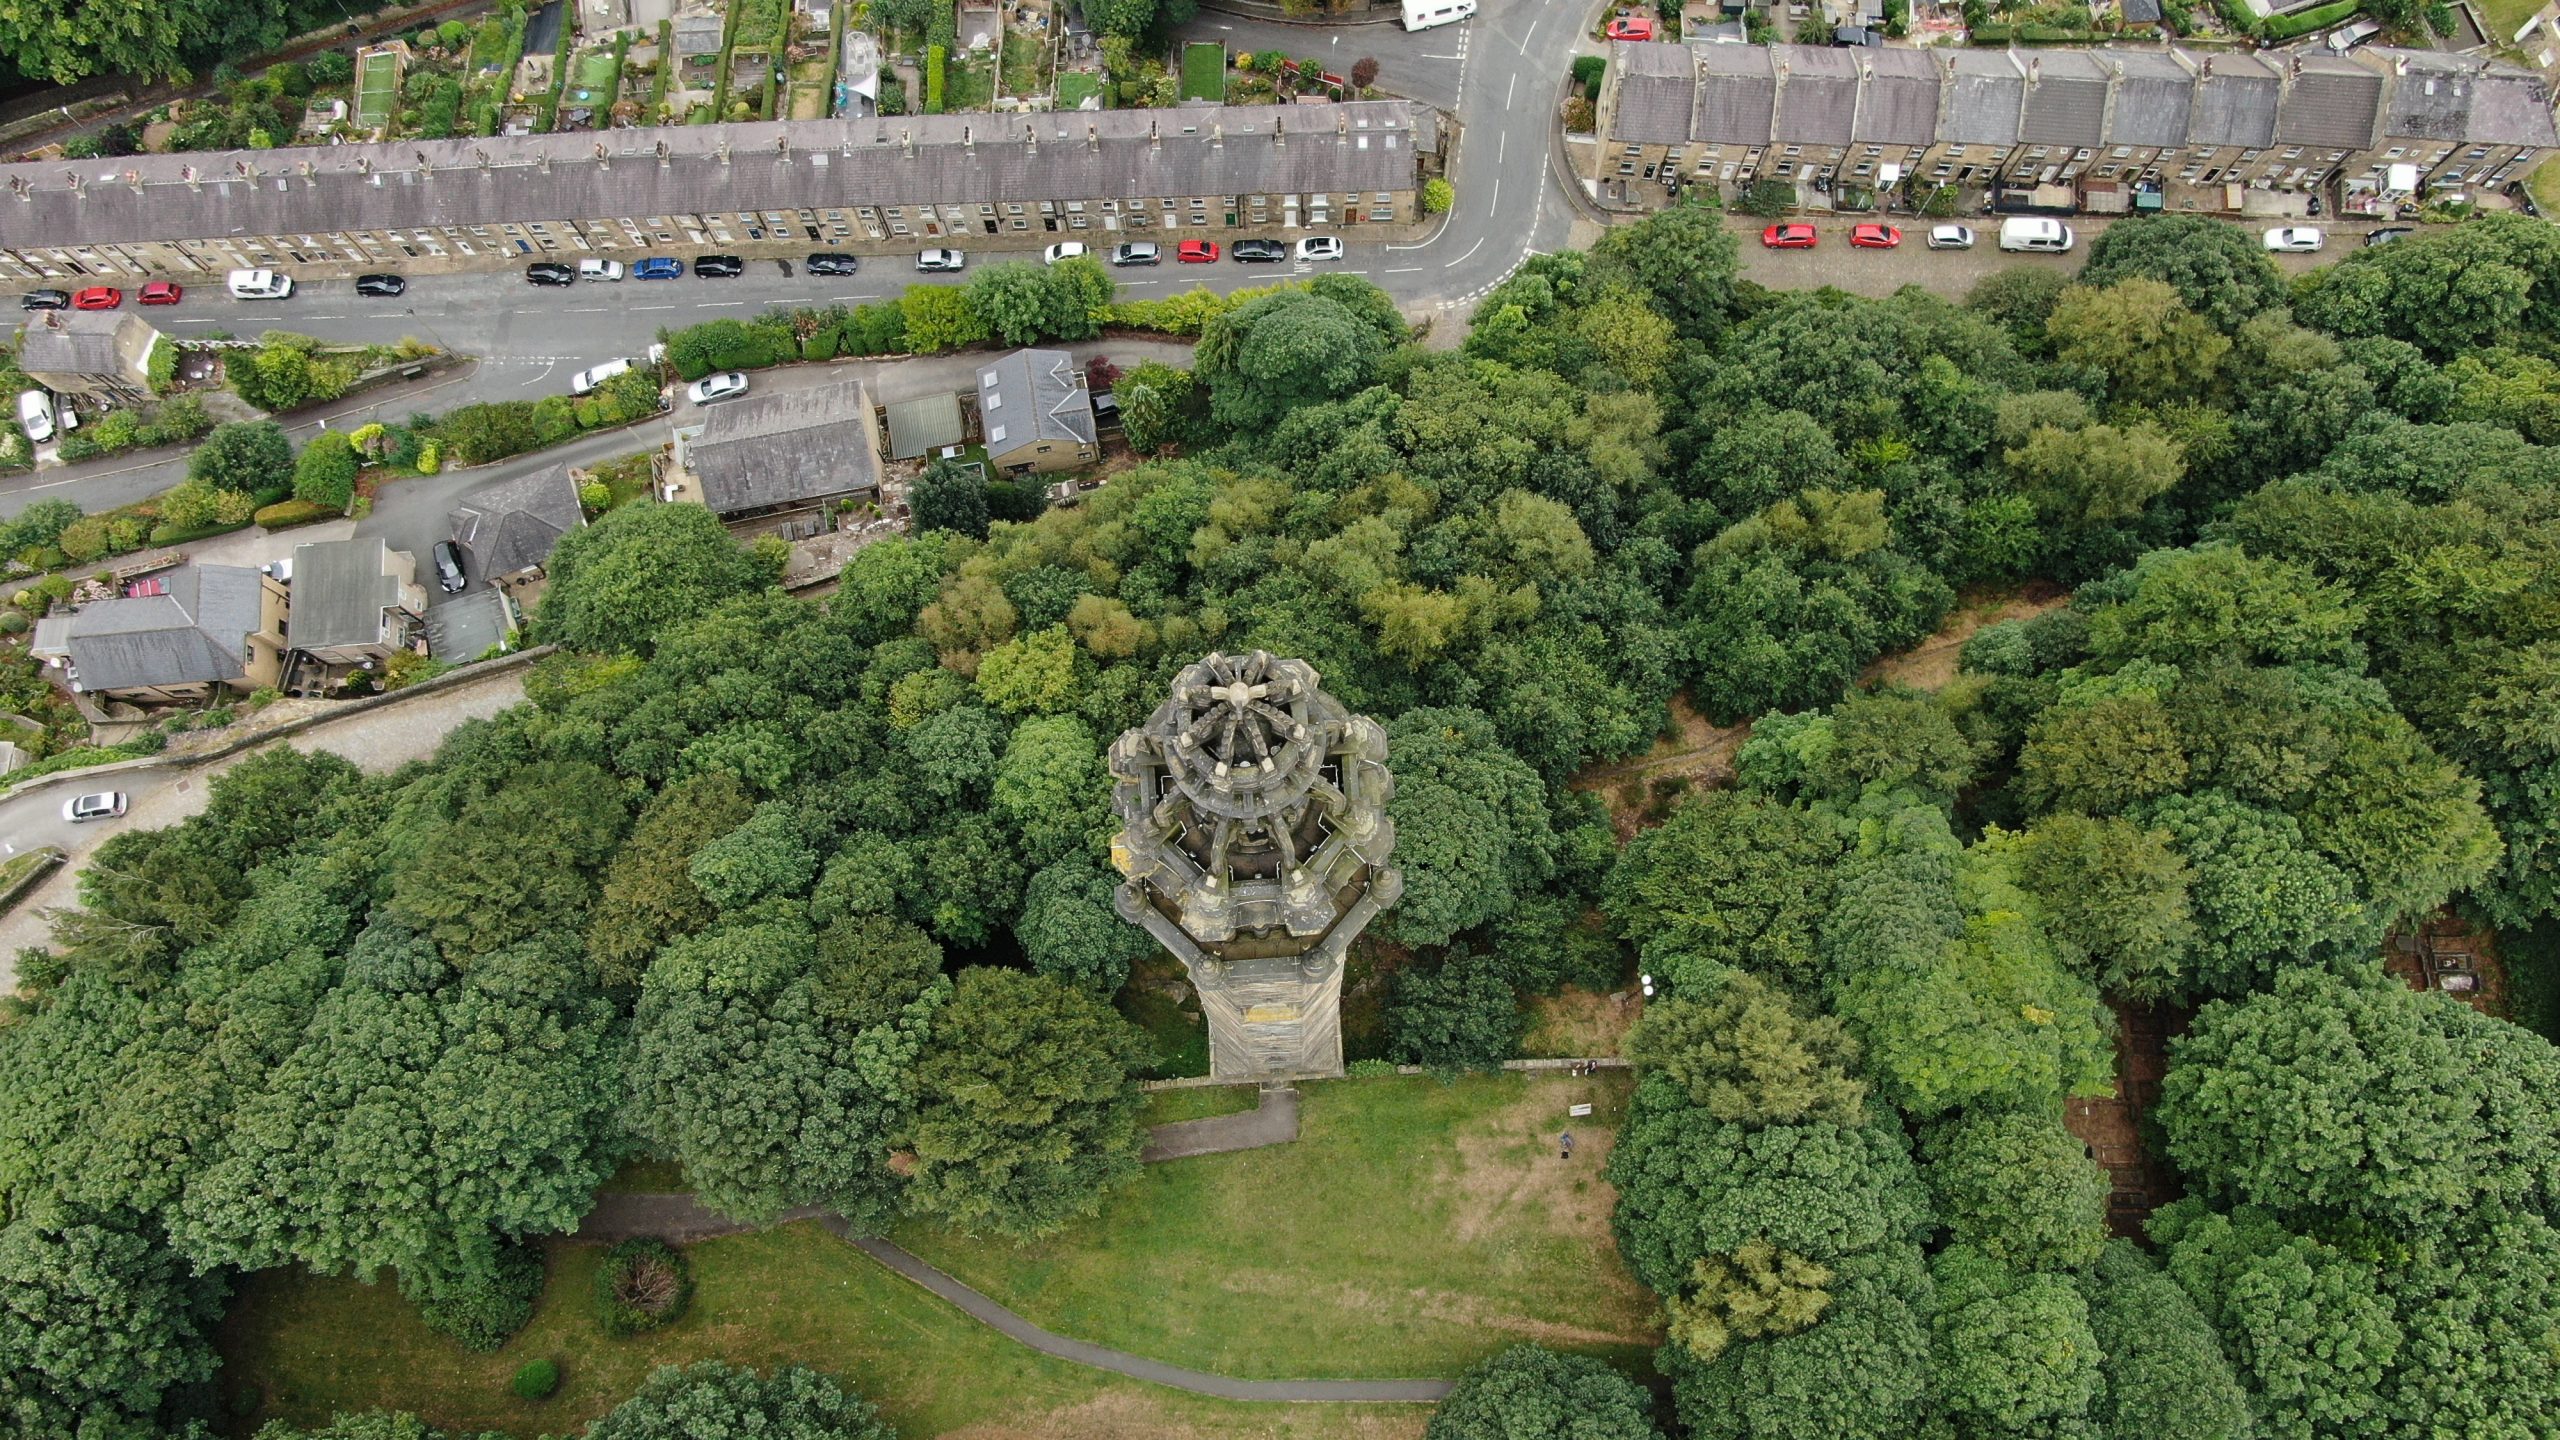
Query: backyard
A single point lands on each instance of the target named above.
(1077, 86)
(1204, 71)
(377, 89)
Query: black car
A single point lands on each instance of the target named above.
(2387, 235)
(448, 558)
(381, 285)
(720, 267)
(46, 300)
(832, 264)
(548, 273)
(1258, 252)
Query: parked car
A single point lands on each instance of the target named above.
(585, 381)
(1631, 27)
(727, 385)
(1320, 247)
(448, 559)
(381, 286)
(2295, 239)
(718, 267)
(1063, 250)
(2389, 233)
(35, 415)
(2460, 983)
(98, 297)
(2036, 235)
(592, 269)
(941, 259)
(1258, 252)
(258, 285)
(1875, 237)
(45, 300)
(1788, 237)
(547, 273)
(104, 805)
(1196, 252)
(1856, 35)
(831, 263)
(1950, 237)
(658, 267)
(1136, 252)
(163, 292)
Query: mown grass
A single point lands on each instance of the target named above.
(1198, 1102)
(1204, 71)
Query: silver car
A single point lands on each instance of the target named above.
(727, 385)
(105, 805)
(1950, 237)
(938, 259)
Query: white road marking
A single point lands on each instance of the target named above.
(1444, 57)
(1532, 35)
(586, 310)
(652, 307)
(1408, 270)
(536, 380)
(1461, 260)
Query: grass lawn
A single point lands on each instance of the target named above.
(1076, 86)
(1204, 71)
(646, 1177)
(1025, 61)
(2503, 18)
(1415, 1228)
(1199, 1102)
(969, 84)
(374, 93)
(627, 476)
(2544, 182)
(312, 1347)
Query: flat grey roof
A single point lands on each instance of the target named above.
(340, 592)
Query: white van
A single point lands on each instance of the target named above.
(2035, 233)
(586, 381)
(259, 285)
(599, 269)
(35, 415)
(1423, 14)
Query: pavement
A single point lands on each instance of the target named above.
(1273, 1121)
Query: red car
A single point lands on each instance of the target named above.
(163, 292)
(1196, 252)
(98, 297)
(1875, 237)
(1788, 237)
(1631, 27)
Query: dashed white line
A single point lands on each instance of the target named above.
(1510, 90)
(652, 307)
(586, 310)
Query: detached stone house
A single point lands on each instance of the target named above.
(179, 636)
(1036, 414)
(508, 527)
(779, 451)
(355, 601)
(99, 353)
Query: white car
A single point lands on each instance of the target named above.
(35, 415)
(586, 381)
(1950, 237)
(258, 285)
(1063, 250)
(2295, 239)
(105, 805)
(939, 259)
(1320, 247)
(599, 269)
(727, 385)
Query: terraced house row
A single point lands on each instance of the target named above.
(772, 188)
(1732, 114)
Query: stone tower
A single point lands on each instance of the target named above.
(1254, 843)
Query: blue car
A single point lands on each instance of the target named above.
(658, 267)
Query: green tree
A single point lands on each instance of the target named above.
(243, 455)
(1684, 260)
(325, 472)
(1744, 1053)
(649, 897)
(1472, 830)
(886, 584)
(2114, 898)
(2305, 1326)
(949, 497)
(1758, 1292)
(2141, 336)
(1024, 304)
(1050, 786)
(710, 1398)
(941, 317)
(1460, 1016)
(1032, 674)
(100, 1322)
(1863, 1373)
(765, 857)
(1025, 1112)
(2102, 755)
(2018, 1187)
(1280, 352)
(617, 584)
(1069, 930)
(513, 862)
(2096, 474)
(2015, 1355)
(1730, 880)
(2219, 270)
(2219, 602)
(1529, 1392)
(2163, 1371)
(2262, 896)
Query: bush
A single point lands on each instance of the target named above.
(1767, 198)
(325, 472)
(287, 513)
(162, 366)
(1587, 70)
(330, 67)
(476, 1305)
(430, 458)
(536, 1379)
(1437, 196)
(643, 1284)
(493, 430)
(594, 496)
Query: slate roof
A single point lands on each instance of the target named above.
(1656, 85)
(2235, 102)
(1990, 95)
(1033, 395)
(2140, 12)
(2066, 100)
(2153, 96)
(1901, 103)
(2432, 100)
(781, 446)
(71, 342)
(709, 169)
(2332, 102)
(1817, 96)
(1737, 95)
(195, 632)
(925, 424)
(2512, 107)
(511, 525)
(340, 592)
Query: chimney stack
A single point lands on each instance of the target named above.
(425, 165)
(310, 174)
(782, 146)
(134, 179)
(1217, 136)
(185, 172)
(664, 155)
(1092, 136)
(1279, 132)
(604, 156)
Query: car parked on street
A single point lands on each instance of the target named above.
(658, 267)
(1258, 252)
(1631, 27)
(104, 805)
(1136, 252)
(45, 300)
(1063, 250)
(2295, 239)
(448, 562)
(258, 285)
(727, 385)
(98, 297)
(2389, 234)
(1320, 247)
(1196, 252)
(718, 267)
(1788, 237)
(381, 287)
(586, 381)
(547, 273)
(1950, 237)
(163, 292)
(941, 259)
(592, 269)
(832, 263)
(1875, 237)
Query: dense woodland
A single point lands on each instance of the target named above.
(813, 898)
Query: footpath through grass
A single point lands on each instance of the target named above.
(1415, 1228)
(311, 1347)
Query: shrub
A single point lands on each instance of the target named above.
(325, 472)
(554, 419)
(13, 622)
(162, 366)
(1437, 196)
(331, 67)
(1587, 70)
(536, 1379)
(642, 1285)
(287, 513)
(492, 430)
(430, 458)
(1767, 197)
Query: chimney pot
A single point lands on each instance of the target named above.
(604, 157)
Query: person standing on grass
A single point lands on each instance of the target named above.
(1565, 1144)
